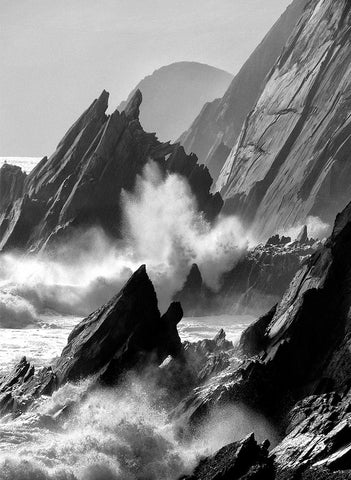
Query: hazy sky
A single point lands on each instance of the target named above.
(57, 55)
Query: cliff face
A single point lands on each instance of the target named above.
(217, 127)
(174, 94)
(81, 183)
(291, 160)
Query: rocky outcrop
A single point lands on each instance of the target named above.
(80, 185)
(240, 460)
(174, 94)
(12, 180)
(126, 334)
(300, 374)
(256, 282)
(216, 129)
(291, 160)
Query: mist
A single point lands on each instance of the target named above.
(115, 433)
(162, 229)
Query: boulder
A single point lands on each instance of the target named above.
(239, 460)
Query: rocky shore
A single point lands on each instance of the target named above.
(292, 366)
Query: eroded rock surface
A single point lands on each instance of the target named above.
(80, 185)
(291, 159)
(125, 334)
(215, 131)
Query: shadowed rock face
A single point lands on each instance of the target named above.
(12, 180)
(245, 459)
(291, 160)
(81, 183)
(256, 282)
(300, 376)
(217, 127)
(125, 334)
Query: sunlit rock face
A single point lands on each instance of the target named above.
(217, 127)
(291, 160)
(80, 185)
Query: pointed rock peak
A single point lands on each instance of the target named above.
(220, 336)
(303, 235)
(101, 103)
(140, 276)
(132, 109)
(174, 313)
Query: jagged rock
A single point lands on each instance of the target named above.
(277, 240)
(303, 347)
(80, 185)
(126, 334)
(303, 236)
(114, 338)
(291, 159)
(196, 298)
(216, 129)
(253, 340)
(255, 283)
(240, 460)
(199, 180)
(12, 180)
(259, 279)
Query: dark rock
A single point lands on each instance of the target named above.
(126, 334)
(216, 129)
(80, 185)
(260, 278)
(11, 184)
(253, 340)
(196, 298)
(303, 236)
(239, 460)
(199, 180)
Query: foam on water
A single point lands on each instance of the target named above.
(42, 342)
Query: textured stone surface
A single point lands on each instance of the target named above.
(217, 127)
(126, 334)
(291, 160)
(80, 185)
(240, 460)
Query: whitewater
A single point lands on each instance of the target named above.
(127, 432)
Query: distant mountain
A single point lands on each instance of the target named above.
(292, 160)
(174, 94)
(217, 127)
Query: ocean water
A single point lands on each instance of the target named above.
(26, 163)
(124, 433)
(43, 342)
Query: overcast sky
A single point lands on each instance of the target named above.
(57, 55)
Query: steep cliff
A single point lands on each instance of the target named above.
(217, 127)
(174, 94)
(81, 183)
(291, 160)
